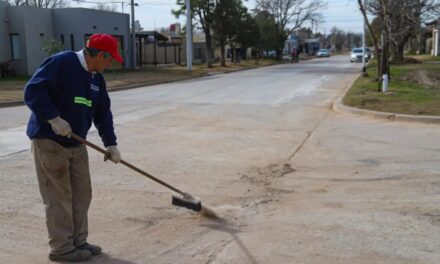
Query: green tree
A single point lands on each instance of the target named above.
(203, 12)
(248, 33)
(233, 25)
(270, 37)
(52, 46)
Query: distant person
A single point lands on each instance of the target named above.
(67, 93)
(298, 54)
(294, 54)
(238, 55)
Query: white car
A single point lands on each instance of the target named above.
(323, 53)
(356, 55)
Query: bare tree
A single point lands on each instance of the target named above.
(403, 20)
(290, 15)
(381, 10)
(400, 20)
(39, 3)
(105, 7)
(363, 8)
(408, 23)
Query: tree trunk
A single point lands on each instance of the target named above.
(384, 60)
(222, 52)
(398, 56)
(399, 49)
(209, 48)
(279, 54)
(378, 59)
(243, 51)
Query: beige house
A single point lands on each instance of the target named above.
(435, 25)
(155, 48)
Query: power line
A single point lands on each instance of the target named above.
(125, 2)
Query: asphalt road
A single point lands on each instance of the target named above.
(294, 181)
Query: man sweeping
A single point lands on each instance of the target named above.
(67, 93)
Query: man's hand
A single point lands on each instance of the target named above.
(113, 154)
(60, 126)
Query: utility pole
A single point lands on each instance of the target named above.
(133, 35)
(188, 36)
(364, 68)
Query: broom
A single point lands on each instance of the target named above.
(186, 200)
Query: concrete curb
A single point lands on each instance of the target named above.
(139, 85)
(339, 106)
(11, 103)
(115, 89)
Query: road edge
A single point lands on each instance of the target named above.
(140, 85)
(339, 106)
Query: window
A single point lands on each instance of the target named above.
(72, 42)
(197, 53)
(15, 47)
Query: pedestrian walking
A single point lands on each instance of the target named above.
(66, 94)
(294, 55)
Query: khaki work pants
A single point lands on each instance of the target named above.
(64, 181)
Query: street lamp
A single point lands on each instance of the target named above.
(133, 30)
(188, 36)
(133, 35)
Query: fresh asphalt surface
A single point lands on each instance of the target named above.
(294, 181)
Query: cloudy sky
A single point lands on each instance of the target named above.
(152, 14)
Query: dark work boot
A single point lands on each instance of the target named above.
(93, 249)
(76, 255)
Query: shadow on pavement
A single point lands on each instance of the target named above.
(221, 226)
(107, 259)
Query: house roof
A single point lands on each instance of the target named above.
(433, 23)
(152, 34)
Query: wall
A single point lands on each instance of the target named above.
(436, 42)
(5, 50)
(16, 25)
(34, 28)
(81, 22)
(38, 30)
(148, 54)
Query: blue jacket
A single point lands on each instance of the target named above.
(62, 87)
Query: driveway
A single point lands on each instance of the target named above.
(293, 181)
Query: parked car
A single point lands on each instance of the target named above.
(286, 58)
(368, 52)
(323, 53)
(270, 53)
(356, 55)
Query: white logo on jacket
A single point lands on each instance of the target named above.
(94, 87)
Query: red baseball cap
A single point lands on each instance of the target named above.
(107, 43)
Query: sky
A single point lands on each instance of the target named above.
(154, 14)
